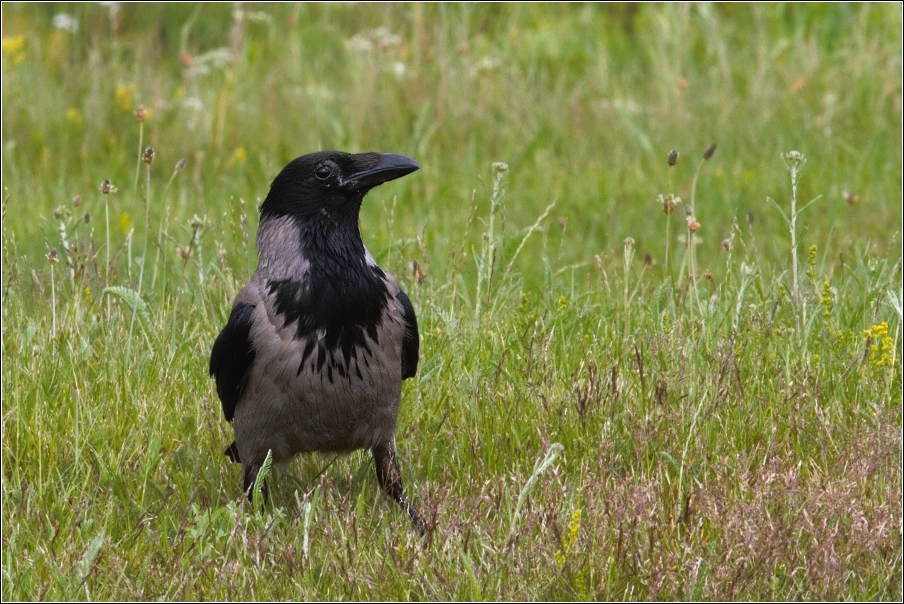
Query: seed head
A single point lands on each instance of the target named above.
(851, 198)
(688, 209)
(180, 165)
(726, 243)
(419, 273)
(668, 203)
(811, 255)
(52, 256)
(141, 113)
(709, 152)
(107, 187)
(62, 213)
(794, 159)
(672, 157)
(148, 156)
(77, 201)
(500, 167)
(87, 218)
(692, 224)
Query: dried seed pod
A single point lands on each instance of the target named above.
(672, 157)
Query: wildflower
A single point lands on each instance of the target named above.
(419, 274)
(180, 165)
(500, 167)
(851, 198)
(881, 345)
(141, 113)
(14, 48)
(668, 203)
(811, 262)
(65, 22)
(794, 160)
(710, 151)
(570, 537)
(125, 97)
(107, 187)
(125, 222)
(238, 156)
(692, 224)
(726, 243)
(77, 201)
(75, 116)
(52, 256)
(827, 300)
(13, 44)
(672, 157)
(148, 156)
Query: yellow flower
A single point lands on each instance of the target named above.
(14, 48)
(125, 97)
(881, 351)
(570, 537)
(75, 116)
(238, 156)
(828, 299)
(125, 222)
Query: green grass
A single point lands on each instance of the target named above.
(586, 423)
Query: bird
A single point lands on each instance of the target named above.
(317, 344)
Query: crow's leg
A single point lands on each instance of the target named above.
(390, 478)
(249, 476)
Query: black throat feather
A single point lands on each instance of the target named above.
(339, 302)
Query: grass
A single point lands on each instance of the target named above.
(586, 423)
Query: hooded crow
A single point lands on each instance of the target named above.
(318, 343)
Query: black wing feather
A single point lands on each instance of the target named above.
(232, 356)
(411, 343)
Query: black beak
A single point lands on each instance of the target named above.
(390, 167)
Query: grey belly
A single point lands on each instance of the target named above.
(319, 408)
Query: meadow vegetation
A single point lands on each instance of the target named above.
(590, 420)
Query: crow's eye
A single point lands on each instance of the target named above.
(323, 172)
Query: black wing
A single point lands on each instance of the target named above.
(232, 356)
(411, 343)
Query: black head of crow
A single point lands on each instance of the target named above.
(318, 343)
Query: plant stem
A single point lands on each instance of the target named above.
(140, 147)
(795, 291)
